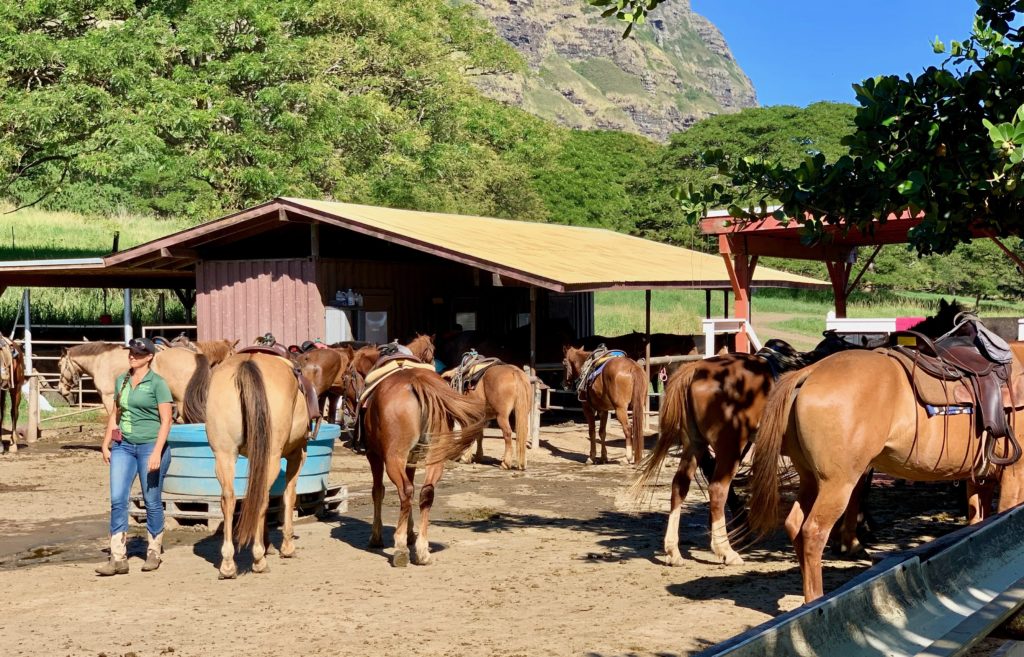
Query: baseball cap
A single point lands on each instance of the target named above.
(142, 344)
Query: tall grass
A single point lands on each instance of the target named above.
(31, 234)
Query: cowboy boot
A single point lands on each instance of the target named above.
(118, 563)
(156, 547)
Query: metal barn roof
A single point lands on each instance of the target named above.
(553, 256)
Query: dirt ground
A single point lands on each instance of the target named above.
(553, 561)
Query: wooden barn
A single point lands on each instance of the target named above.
(278, 267)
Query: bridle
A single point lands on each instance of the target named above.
(70, 375)
(352, 381)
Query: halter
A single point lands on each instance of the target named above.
(75, 375)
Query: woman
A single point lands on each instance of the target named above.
(135, 444)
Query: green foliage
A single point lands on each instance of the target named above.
(193, 108)
(946, 144)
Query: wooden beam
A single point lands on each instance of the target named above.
(179, 252)
(850, 288)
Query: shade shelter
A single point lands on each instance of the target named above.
(741, 243)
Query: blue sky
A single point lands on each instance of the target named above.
(798, 52)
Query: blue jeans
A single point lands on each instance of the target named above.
(126, 461)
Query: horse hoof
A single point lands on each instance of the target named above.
(261, 567)
(505, 466)
(589, 461)
(424, 560)
(375, 544)
(231, 574)
(674, 560)
(732, 559)
(400, 559)
(271, 549)
(287, 554)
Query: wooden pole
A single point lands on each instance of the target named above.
(707, 304)
(647, 349)
(533, 330)
(32, 431)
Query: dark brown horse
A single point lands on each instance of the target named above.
(619, 387)
(10, 386)
(716, 405)
(505, 390)
(402, 415)
(325, 368)
(853, 411)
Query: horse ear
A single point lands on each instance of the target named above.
(235, 343)
(943, 305)
(565, 349)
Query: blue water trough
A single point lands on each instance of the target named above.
(192, 469)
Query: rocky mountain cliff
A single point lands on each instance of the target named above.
(673, 71)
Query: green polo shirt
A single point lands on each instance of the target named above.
(140, 413)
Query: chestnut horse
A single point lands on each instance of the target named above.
(255, 407)
(11, 387)
(715, 405)
(832, 422)
(403, 414)
(325, 368)
(620, 385)
(105, 361)
(505, 389)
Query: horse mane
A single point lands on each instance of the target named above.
(93, 348)
(215, 350)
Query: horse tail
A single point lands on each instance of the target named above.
(196, 391)
(675, 427)
(639, 407)
(764, 483)
(522, 407)
(439, 402)
(256, 436)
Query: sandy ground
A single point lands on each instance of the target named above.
(553, 561)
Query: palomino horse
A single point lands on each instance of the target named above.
(619, 386)
(849, 412)
(505, 389)
(10, 386)
(216, 351)
(261, 413)
(401, 416)
(716, 404)
(325, 368)
(105, 361)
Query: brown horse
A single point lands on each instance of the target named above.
(105, 361)
(403, 414)
(505, 389)
(830, 420)
(10, 386)
(620, 386)
(261, 413)
(325, 368)
(716, 405)
(422, 347)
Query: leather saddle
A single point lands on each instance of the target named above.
(305, 385)
(969, 367)
(470, 370)
(386, 366)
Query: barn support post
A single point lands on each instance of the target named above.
(740, 267)
(32, 430)
(707, 303)
(535, 420)
(647, 349)
(26, 301)
(127, 315)
(839, 275)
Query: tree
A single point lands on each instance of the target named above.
(195, 107)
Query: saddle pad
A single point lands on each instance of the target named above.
(391, 366)
(471, 375)
(936, 392)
